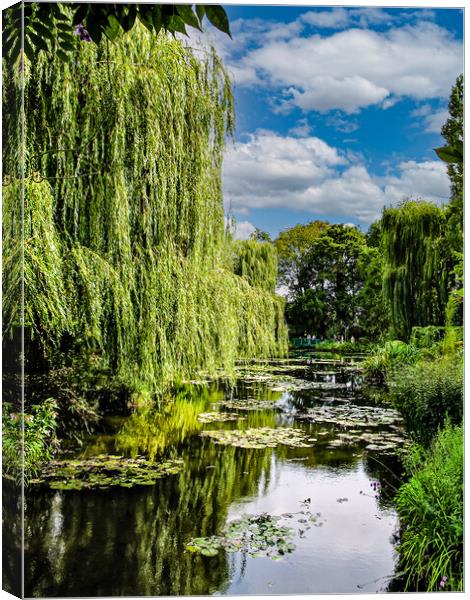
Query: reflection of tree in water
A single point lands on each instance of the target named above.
(11, 530)
(128, 542)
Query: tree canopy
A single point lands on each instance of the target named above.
(54, 27)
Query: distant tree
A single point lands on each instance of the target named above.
(334, 279)
(292, 245)
(452, 132)
(260, 236)
(417, 263)
(330, 267)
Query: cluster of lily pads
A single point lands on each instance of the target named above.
(258, 535)
(261, 437)
(248, 404)
(361, 425)
(261, 535)
(218, 417)
(105, 471)
(353, 415)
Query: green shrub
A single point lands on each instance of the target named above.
(388, 357)
(430, 506)
(38, 443)
(424, 337)
(427, 393)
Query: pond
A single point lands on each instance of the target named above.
(319, 490)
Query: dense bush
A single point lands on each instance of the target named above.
(26, 452)
(430, 506)
(386, 358)
(427, 393)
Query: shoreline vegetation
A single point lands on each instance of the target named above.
(134, 283)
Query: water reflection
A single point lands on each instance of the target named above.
(132, 541)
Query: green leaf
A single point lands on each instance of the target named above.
(67, 46)
(66, 27)
(15, 50)
(80, 14)
(37, 41)
(65, 56)
(218, 17)
(145, 17)
(449, 154)
(186, 13)
(200, 11)
(174, 23)
(29, 49)
(209, 552)
(113, 28)
(156, 18)
(95, 31)
(127, 21)
(8, 44)
(41, 29)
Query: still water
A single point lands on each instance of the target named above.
(111, 542)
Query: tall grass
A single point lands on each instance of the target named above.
(428, 393)
(430, 506)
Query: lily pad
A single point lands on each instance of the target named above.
(105, 471)
(249, 404)
(258, 535)
(218, 417)
(262, 437)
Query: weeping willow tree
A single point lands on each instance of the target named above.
(416, 270)
(257, 263)
(127, 262)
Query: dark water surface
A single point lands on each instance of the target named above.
(132, 542)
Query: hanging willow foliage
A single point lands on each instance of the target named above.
(125, 247)
(257, 263)
(416, 272)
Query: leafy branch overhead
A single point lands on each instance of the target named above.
(451, 154)
(54, 27)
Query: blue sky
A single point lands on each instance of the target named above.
(338, 110)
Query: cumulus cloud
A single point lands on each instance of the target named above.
(355, 68)
(242, 230)
(335, 18)
(338, 18)
(432, 119)
(301, 129)
(306, 174)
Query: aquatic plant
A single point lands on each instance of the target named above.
(258, 535)
(260, 437)
(218, 417)
(430, 506)
(105, 471)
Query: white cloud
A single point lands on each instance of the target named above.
(427, 180)
(348, 94)
(306, 174)
(435, 121)
(302, 129)
(431, 120)
(332, 19)
(243, 230)
(342, 125)
(338, 18)
(355, 68)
